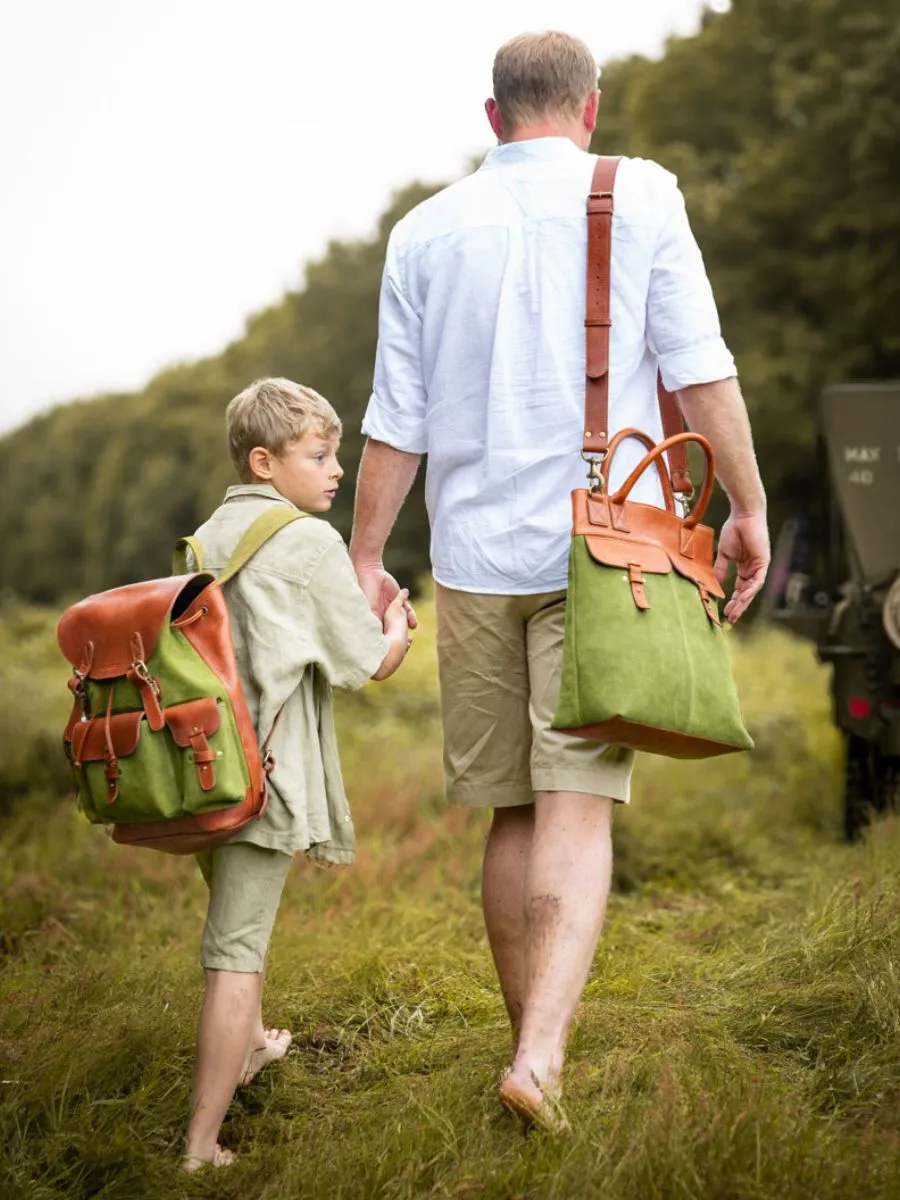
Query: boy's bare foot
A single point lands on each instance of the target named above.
(220, 1158)
(276, 1046)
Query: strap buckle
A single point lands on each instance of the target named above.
(596, 478)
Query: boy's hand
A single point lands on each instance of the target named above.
(396, 617)
(397, 633)
(381, 589)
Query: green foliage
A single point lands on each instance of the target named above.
(738, 1037)
(781, 120)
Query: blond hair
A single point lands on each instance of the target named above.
(540, 75)
(272, 413)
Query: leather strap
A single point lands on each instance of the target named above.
(597, 325)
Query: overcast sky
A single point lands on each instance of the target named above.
(168, 166)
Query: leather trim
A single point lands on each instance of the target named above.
(210, 635)
(621, 732)
(110, 623)
(652, 541)
(189, 835)
(184, 720)
(619, 552)
(89, 741)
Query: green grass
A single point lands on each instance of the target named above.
(739, 1037)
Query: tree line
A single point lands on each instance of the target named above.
(781, 119)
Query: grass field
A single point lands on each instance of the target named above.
(738, 1038)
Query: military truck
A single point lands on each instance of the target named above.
(836, 579)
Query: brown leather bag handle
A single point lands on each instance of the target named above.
(622, 436)
(709, 478)
(597, 325)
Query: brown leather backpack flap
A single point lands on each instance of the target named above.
(649, 537)
(102, 635)
(186, 721)
(102, 738)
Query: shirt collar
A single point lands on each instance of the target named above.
(544, 149)
(239, 490)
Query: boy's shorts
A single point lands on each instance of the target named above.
(245, 884)
(500, 663)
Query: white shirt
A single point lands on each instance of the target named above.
(480, 360)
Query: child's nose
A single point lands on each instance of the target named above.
(338, 470)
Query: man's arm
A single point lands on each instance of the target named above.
(717, 412)
(385, 477)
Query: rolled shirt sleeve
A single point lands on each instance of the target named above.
(396, 410)
(682, 321)
(348, 642)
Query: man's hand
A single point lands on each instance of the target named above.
(744, 541)
(380, 589)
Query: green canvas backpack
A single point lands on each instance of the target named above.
(160, 738)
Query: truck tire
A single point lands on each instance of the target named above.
(871, 784)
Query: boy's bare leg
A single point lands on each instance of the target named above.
(568, 879)
(266, 1045)
(504, 872)
(227, 1026)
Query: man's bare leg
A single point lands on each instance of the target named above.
(503, 880)
(569, 873)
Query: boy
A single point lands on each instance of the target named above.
(301, 626)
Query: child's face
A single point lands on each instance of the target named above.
(306, 472)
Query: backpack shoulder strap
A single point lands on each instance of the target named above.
(179, 555)
(265, 526)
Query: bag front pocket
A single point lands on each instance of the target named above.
(127, 772)
(215, 772)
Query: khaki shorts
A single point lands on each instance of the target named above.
(245, 884)
(500, 662)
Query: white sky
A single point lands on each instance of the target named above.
(169, 165)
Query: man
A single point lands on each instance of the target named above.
(481, 365)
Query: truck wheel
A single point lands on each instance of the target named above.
(859, 785)
(871, 784)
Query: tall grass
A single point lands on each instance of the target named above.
(738, 1037)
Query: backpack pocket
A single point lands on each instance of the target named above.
(128, 772)
(215, 772)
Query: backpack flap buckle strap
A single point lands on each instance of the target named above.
(204, 758)
(150, 692)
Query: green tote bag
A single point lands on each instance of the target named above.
(645, 658)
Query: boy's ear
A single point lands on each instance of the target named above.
(259, 460)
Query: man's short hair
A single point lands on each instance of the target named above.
(272, 413)
(539, 75)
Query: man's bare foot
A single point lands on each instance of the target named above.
(220, 1158)
(276, 1046)
(536, 1104)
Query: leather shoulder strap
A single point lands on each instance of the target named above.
(265, 526)
(597, 325)
(596, 317)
